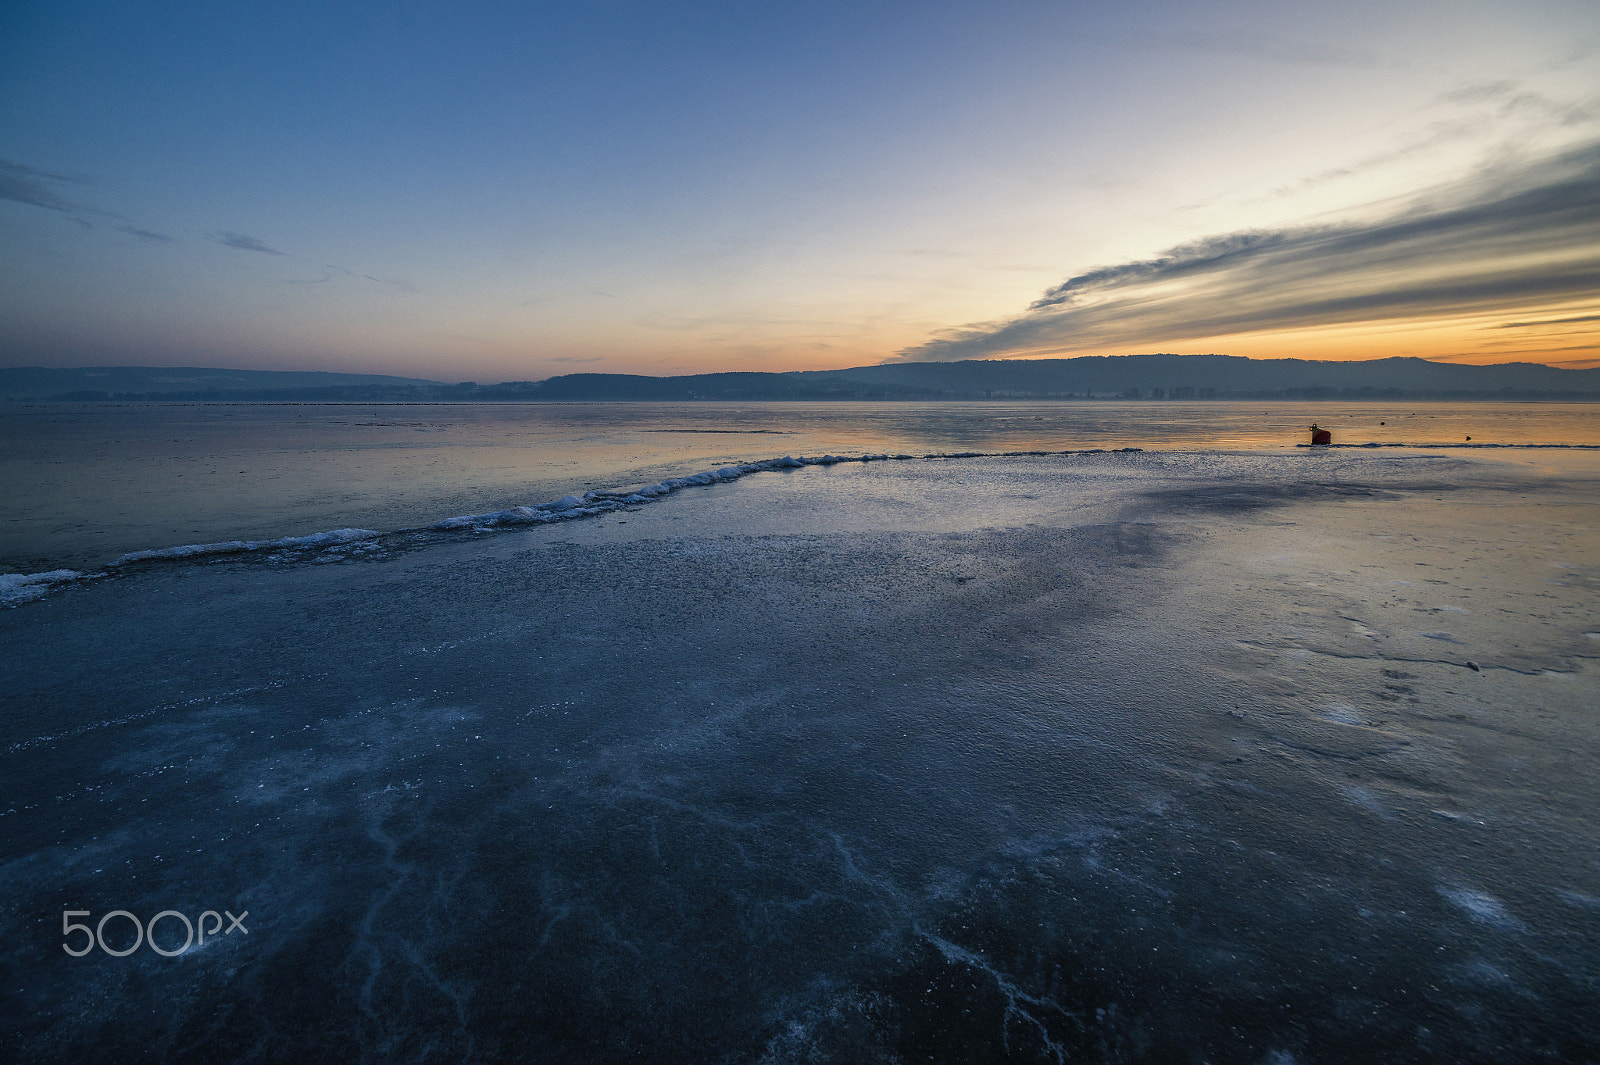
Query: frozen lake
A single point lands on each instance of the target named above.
(86, 483)
(1243, 756)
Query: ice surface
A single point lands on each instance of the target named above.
(1089, 757)
(601, 501)
(19, 588)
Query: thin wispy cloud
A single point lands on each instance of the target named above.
(1510, 97)
(326, 272)
(34, 187)
(244, 242)
(1476, 110)
(1522, 240)
(31, 186)
(1551, 321)
(1479, 91)
(387, 282)
(390, 282)
(145, 234)
(1439, 133)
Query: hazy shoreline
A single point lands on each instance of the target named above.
(1085, 378)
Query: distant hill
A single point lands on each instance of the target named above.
(1100, 377)
(190, 382)
(1227, 376)
(1096, 377)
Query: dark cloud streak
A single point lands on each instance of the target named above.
(145, 234)
(1550, 321)
(30, 185)
(244, 243)
(27, 185)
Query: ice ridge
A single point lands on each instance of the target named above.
(18, 588)
(233, 547)
(601, 501)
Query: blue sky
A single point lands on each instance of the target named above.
(497, 191)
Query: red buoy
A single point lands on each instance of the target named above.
(1320, 436)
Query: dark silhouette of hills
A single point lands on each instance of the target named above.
(1098, 377)
(1230, 377)
(196, 383)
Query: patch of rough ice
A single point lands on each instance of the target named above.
(1342, 714)
(1482, 907)
(1484, 974)
(1366, 800)
(17, 588)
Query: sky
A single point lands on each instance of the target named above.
(486, 191)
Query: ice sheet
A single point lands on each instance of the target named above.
(1129, 757)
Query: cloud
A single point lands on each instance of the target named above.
(1437, 134)
(327, 272)
(145, 234)
(1512, 240)
(1480, 91)
(244, 243)
(25, 184)
(398, 285)
(30, 185)
(1550, 321)
(1511, 98)
(1510, 101)
(394, 283)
